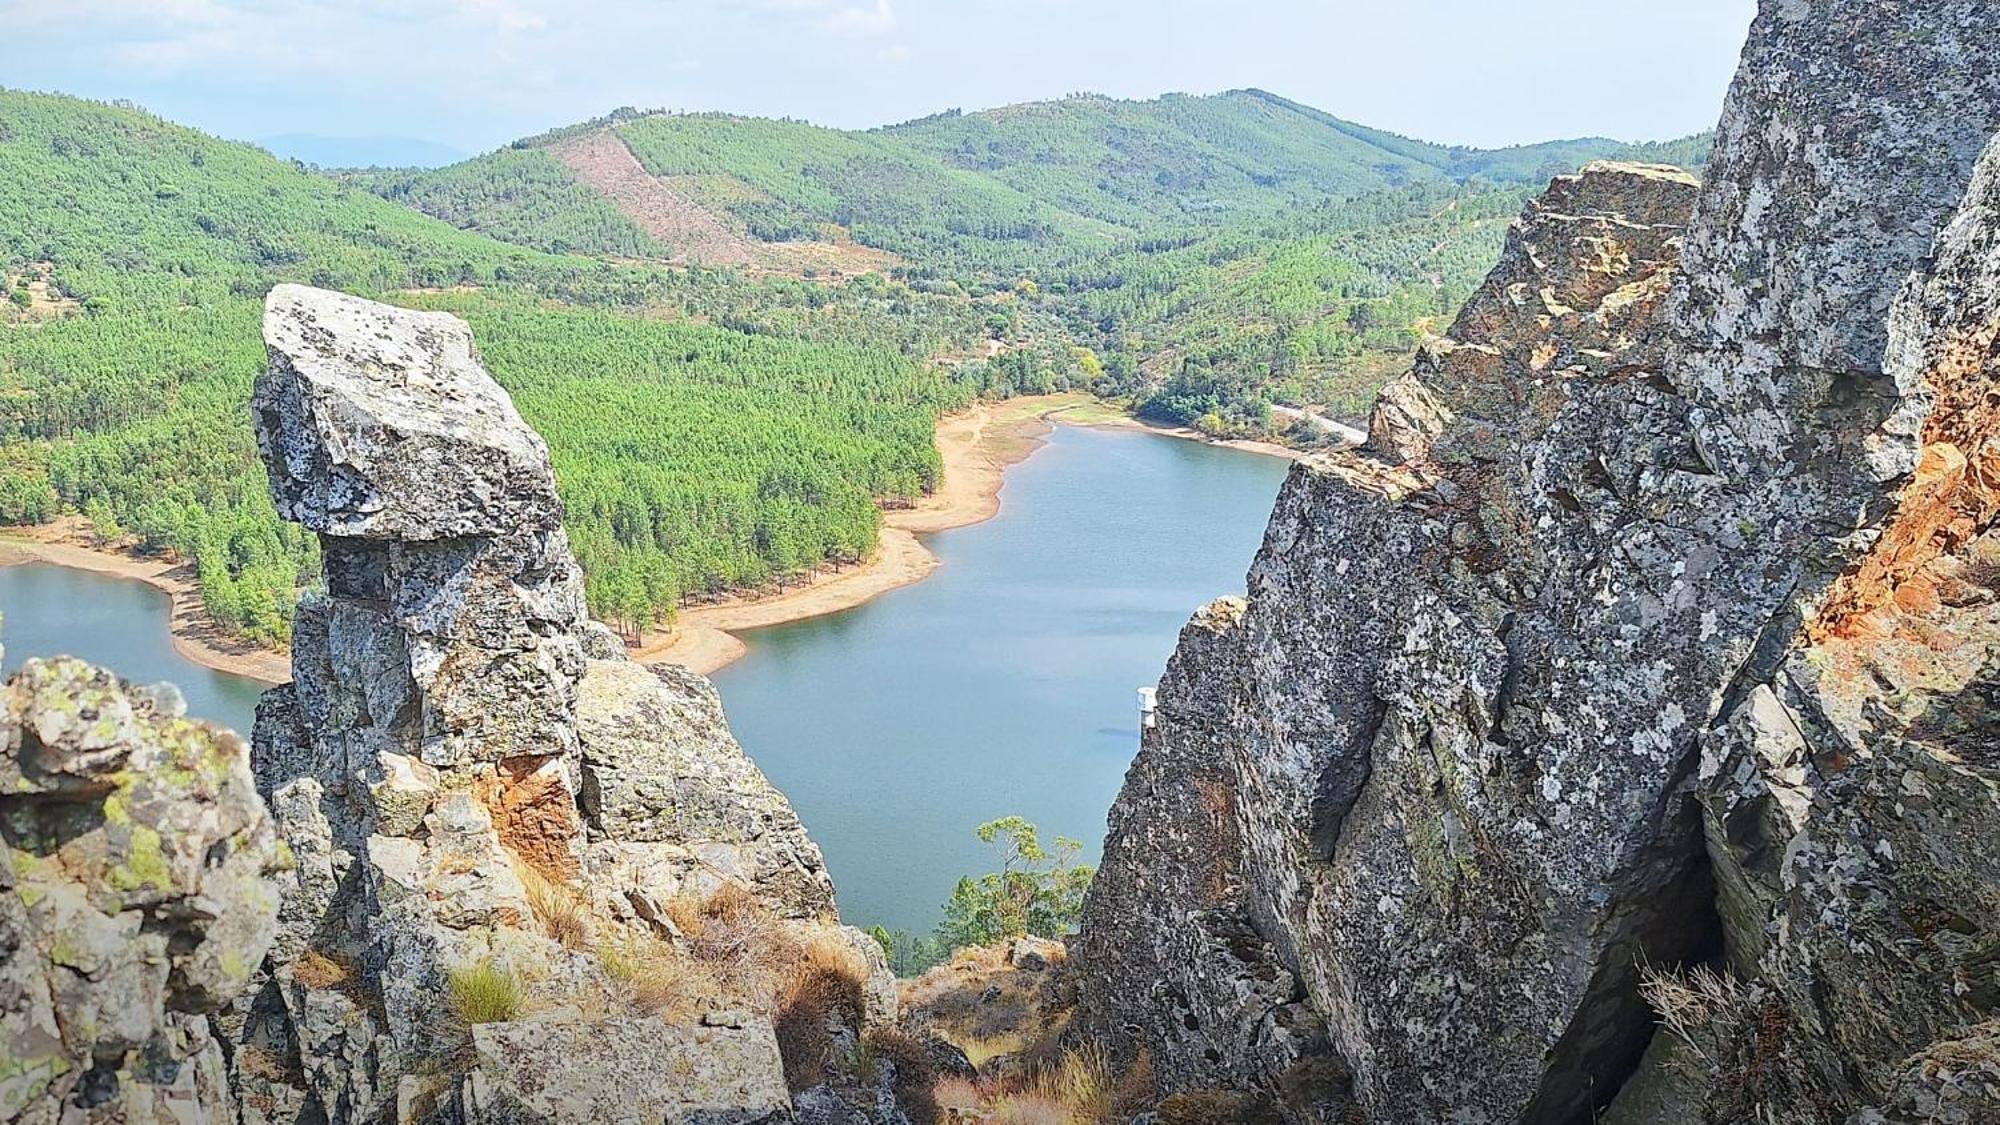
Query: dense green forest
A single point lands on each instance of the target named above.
(1217, 255)
(964, 196)
(1199, 258)
(1314, 307)
(524, 196)
(787, 406)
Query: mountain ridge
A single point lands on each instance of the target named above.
(992, 190)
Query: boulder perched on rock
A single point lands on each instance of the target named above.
(499, 819)
(136, 897)
(1653, 630)
(380, 423)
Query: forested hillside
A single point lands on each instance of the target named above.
(1006, 191)
(1217, 255)
(1199, 258)
(1314, 307)
(143, 251)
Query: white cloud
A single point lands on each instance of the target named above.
(860, 22)
(170, 36)
(844, 18)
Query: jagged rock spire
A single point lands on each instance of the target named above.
(461, 742)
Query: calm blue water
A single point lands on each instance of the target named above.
(1004, 683)
(118, 623)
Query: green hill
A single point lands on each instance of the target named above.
(140, 251)
(1203, 258)
(1003, 191)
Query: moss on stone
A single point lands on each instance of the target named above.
(145, 863)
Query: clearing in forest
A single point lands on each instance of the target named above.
(693, 233)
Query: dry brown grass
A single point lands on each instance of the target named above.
(325, 972)
(261, 1063)
(730, 903)
(1030, 1109)
(1074, 1086)
(659, 979)
(1081, 1079)
(959, 1097)
(1689, 1003)
(559, 910)
(755, 955)
(826, 987)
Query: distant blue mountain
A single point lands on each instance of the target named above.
(362, 152)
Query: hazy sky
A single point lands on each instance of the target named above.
(474, 74)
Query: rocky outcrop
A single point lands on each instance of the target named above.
(485, 798)
(136, 897)
(1654, 629)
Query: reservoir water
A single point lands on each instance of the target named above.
(1006, 682)
(1003, 684)
(120, 623)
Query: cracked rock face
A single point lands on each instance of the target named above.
(1663, 577)
(136, 897)
(460, 746)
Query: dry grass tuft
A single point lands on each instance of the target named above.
(485, 992)
(1689, 1002)
(959, 1098)
(826, 987)
(1031, 1109)
(661, 980)
(916, 1079)
(730, 904)
(1078, 1086)
(325, 972)
(1081, 1079)
(559, 911)
(732, 931)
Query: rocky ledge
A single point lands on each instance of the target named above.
(137, 896)
(1615, 734)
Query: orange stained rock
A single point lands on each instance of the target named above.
(535, 814)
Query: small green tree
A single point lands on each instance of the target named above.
(909, 954)
(1036, 891)
(104, 527)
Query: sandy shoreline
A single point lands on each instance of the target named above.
(977, 446)
(195, 636)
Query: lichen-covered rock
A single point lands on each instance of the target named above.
(1952, 1082)
(1851, 802)
(1213, 1005)
(562, 1070)
(136, 897)
(474, 778)
(380, 423)
(1499, 694)
(659, 766)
